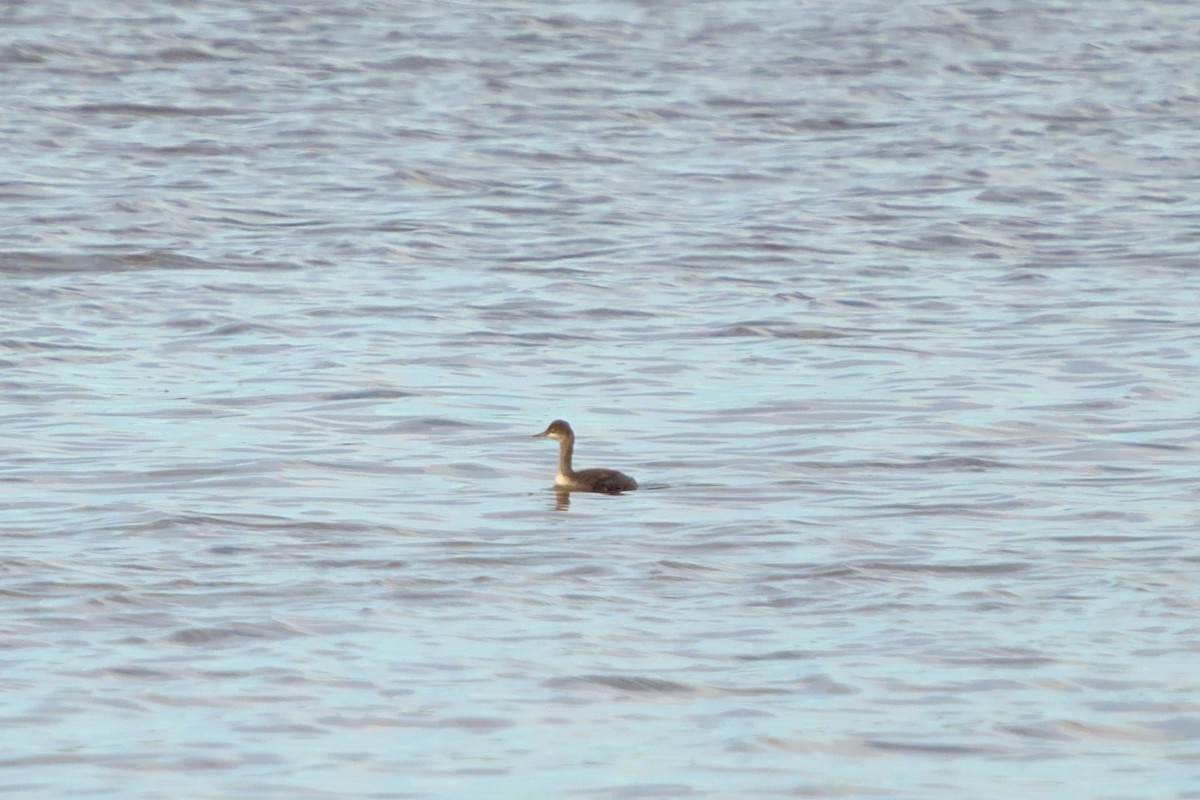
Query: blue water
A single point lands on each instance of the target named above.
(890, 308)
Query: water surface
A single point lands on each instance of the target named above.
(891, 308)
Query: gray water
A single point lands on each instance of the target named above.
(890, 307)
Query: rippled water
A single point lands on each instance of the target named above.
(890, 307)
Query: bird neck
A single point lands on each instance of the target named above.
(566, 448)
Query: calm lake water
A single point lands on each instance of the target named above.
(892, 308)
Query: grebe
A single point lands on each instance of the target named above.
(608, 481)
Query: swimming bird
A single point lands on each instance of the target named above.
(608, 481)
